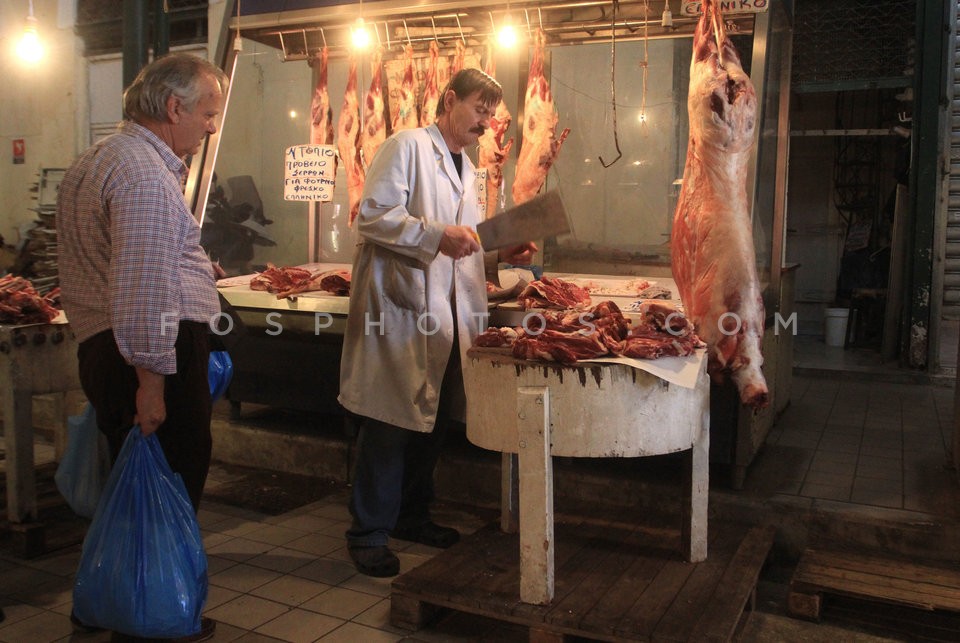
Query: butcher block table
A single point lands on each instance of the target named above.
(531, 411)
(35, 359)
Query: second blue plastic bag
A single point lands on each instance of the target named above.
(143, 571)
(85, 465)
(219, 373)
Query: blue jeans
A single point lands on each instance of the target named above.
(393, 474)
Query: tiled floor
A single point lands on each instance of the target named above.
(880, 444)
(283, 578)
(853, 442)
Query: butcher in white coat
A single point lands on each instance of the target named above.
(418, 298)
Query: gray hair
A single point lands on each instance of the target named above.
(470, 80)
(172, 75)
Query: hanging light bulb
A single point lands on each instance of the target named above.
(507, 36)
(359, 35)
(666, 20)
(29, 48)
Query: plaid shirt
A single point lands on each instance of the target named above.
(129, 248)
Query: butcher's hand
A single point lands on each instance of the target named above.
(459, 241)
(218, 271)
(151, 409)
(521, 255)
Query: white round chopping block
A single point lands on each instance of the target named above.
(608, 410)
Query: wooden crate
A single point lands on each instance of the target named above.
(614, 582)
(871, 577)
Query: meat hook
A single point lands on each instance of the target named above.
(613, 84)
(323, 37)
(462, 37)
(434, 24)
(409, 44)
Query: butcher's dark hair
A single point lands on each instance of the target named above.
(172, 75)
(470, 80)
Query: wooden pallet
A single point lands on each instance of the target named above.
(872, 578)
(614, 582)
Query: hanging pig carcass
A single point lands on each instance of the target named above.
(714, 262)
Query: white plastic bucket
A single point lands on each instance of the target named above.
(836, 325)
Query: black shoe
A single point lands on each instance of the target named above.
(429, 533)
(208, 627)
(376, 561)
(82, 628)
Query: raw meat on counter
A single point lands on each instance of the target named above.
(630, 288)
(571, 335)
(711, 246)
(553, 293)
(321, 116)
(336, 282)
(20, 303)
(540, 145)
(284, 282)
(348, 147)
(662, 331)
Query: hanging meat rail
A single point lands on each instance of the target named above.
(298, 34)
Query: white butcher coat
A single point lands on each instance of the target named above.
(399, 331)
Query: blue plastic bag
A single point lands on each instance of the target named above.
(219, 373)
(85, 465)
(143, 571)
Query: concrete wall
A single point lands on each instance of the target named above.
(49, 105)
(44, 105)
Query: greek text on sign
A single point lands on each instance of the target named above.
(309, 172)
(481, 178)
(691, 8)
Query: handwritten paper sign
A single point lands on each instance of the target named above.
(481, 178)
(309, 173)
(691, 8)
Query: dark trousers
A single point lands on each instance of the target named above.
(393, 474)
(111, 384)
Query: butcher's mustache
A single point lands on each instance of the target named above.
(479, 130)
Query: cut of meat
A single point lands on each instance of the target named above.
(287, 281)
(495, 337)
(336, 282)
(493, 151)
(555, 346)
(712, 251)
(348, 129)
(567, 336)
(459, 54)
(431, 89)
(407, 104)
(374, 130)
(553, 293)
(20, 303)
(321, 115)
(539, 146)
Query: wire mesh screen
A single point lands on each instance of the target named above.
(854, 40)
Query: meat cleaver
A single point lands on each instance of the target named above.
(541, 216)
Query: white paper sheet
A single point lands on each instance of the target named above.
(682, 371)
